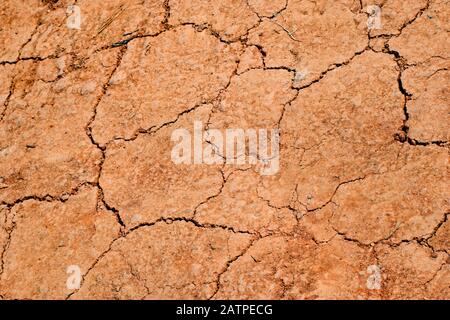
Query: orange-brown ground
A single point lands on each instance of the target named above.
(86, 177)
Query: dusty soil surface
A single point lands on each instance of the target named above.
(358, 209)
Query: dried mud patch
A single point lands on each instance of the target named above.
(93, 206)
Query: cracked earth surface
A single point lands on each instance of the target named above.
(86, 176)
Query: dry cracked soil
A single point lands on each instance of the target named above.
(93, 207)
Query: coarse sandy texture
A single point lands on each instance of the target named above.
(358, 209)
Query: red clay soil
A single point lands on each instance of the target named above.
(357, 210)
